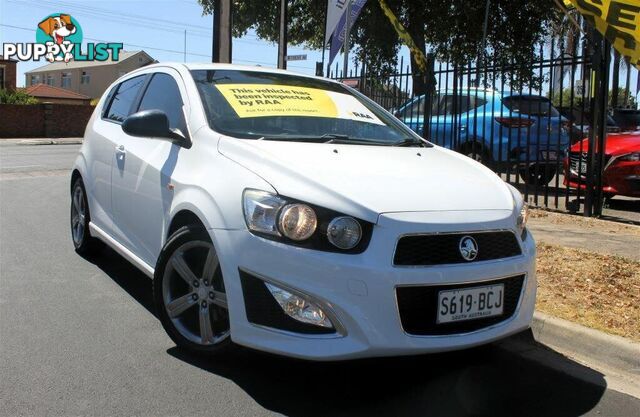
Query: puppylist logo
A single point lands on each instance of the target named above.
(59, 38)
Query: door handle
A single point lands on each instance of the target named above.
(120, 152)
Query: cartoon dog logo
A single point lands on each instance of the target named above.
(58, 27)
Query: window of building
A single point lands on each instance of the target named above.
(1, 77)
(163, 94)
(86, 78)
(49, 79)
(35, 79)
(65, 82)
(120, 106)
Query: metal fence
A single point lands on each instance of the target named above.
(526, 122)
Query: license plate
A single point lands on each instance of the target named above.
(549, 155)
(579, 167)
(470, 303)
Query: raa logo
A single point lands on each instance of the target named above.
(59, 38)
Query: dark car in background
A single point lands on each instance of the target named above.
(496, 128)
(621, 168)
(581, 121)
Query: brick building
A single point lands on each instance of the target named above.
(89, 78)
(8, 73)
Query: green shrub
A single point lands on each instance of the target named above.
(16, 97)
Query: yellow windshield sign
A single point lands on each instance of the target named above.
(618, 21)
(264, 100)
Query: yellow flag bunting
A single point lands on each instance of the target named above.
(617, 20)
(417, 53)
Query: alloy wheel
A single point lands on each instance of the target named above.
(193, 294)
(78, 214)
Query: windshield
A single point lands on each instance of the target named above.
(260, 105)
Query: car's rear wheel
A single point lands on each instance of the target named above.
(538, 174)
(189, 292)
(83, 242)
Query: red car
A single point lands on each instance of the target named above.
(622, 165)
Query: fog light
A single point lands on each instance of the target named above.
(299, 308)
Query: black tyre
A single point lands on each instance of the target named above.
(83, 242)
(538, 175)
(476, 151)
(189, 292)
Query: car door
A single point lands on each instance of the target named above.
(412, 115)
(446, 125)
(105, 133)
(141, 190)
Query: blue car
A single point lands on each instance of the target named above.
(497, 129)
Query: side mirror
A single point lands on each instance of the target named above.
(153, 124)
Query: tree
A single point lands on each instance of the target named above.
(16, 97)
(452, 29)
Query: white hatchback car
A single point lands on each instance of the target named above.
(291, 214)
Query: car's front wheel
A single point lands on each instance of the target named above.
(189, 292)
(83, 242)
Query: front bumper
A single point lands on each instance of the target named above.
(359, 290)
(619, 178)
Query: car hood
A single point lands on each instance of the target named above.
(617, 144)
(366, 181)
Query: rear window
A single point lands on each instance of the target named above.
(530, 106)
(120, 106)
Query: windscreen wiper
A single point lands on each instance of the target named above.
(410, 142)
(326, 138)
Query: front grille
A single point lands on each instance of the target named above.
(441, 249)
(418, 307)
(578, 163)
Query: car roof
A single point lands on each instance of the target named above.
(234, 67)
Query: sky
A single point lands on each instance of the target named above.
(142, 24)
(156, 26)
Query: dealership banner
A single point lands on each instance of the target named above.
(339, 33)
(617, 20)
(335, 10)
(417, 53)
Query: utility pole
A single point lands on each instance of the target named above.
(222, 40)
(283, 38)
(346, 45)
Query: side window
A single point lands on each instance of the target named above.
(122, 100)
(464, 103)
(163, 94)
(530, 106)
(416, 109)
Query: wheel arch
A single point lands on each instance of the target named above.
(475, 141)
(183, 218)
(75, 174)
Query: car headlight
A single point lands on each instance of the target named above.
(344, 232)
(297, 221)
(261, 211)
(521, 220)
(287, 220)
